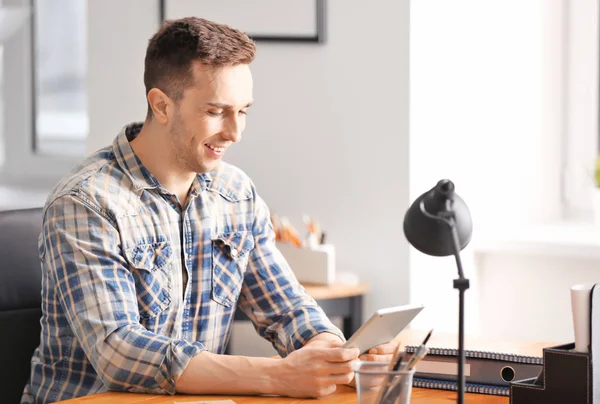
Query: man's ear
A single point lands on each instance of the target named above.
(161, 105)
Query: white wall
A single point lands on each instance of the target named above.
(486, 112)
(118, 33)
(528, 295)
(328, 134)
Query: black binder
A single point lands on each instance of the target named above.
(469, 387)
(485, 372)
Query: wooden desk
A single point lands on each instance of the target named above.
(343, 395)
(347, 395)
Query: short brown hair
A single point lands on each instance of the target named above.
(178, 43)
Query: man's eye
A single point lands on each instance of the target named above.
(215, 113)
(243, 112)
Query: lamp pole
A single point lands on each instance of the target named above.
(461, 284)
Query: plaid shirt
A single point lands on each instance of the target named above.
(134, 285)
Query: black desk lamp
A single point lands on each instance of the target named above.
(439, 223)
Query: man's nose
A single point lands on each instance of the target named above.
(233, 130)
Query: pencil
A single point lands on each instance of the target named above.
(393, 367)
(427, 337)
(396, 358)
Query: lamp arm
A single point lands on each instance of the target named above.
(452, 223)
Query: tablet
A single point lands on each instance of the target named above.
(383, 326)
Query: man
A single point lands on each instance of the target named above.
(149, 245)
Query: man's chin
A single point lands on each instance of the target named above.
(212, 166)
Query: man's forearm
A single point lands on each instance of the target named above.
(325, 337)
(209, 373)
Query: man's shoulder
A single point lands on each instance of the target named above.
(95, 179)
(232, 183)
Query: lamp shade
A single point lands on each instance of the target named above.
(432, 236)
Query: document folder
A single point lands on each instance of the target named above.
(485, 372)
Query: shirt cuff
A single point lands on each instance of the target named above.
(176, 360)
(307, 330)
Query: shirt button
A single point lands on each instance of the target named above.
(234, 252)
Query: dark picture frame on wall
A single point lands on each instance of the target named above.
(301, 21)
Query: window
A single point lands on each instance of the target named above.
(11, 19)
(60, 103)
(43, 87)
(1, 105)
(581, 107)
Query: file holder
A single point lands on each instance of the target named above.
(315, 266)
(567, 376)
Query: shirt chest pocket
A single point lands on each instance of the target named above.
(230, 254)
(151, 272)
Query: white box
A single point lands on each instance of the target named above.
(315, 266)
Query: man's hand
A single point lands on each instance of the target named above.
(380, 353)
(315, 369)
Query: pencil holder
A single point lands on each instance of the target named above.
(375, 384)
(566, 378)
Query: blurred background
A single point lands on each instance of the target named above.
(500, 96)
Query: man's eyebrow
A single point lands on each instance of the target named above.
(226, 106)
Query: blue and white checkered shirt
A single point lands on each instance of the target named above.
(134, 285)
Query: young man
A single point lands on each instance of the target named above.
(149, 245)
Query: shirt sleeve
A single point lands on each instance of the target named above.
(272, 297)
(81, 250)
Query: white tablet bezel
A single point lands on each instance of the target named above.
(383, 326)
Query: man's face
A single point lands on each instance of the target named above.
(210, 116)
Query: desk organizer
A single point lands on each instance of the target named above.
(567, 376)
(311, 265)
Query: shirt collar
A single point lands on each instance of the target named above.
(139, 175)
